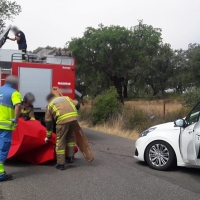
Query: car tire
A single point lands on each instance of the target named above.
(160, 155)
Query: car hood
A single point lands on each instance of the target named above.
(166, 127)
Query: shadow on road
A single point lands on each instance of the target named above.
(21, 169)
(17, 163)
(183, 171)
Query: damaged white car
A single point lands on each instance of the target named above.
(173, 143)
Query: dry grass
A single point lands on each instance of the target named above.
(152, 107)
(113, 130)
(115, 127)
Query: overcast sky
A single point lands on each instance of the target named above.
(53, 22)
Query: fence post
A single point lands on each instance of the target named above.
(164, 108)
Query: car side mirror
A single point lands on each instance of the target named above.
(179, 123)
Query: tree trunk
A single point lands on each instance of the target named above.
(125, 91)
(154, 92)
(163, 93)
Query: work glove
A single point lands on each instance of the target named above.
(47, 139)
(14, 121)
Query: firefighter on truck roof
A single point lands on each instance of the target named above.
(10, 109)
(27, 111)
(21, 41)
(64, 111)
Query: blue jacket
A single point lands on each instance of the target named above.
(9, 97)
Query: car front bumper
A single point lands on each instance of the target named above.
(140, 147)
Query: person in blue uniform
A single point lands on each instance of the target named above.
(21, 41)
(10, 110)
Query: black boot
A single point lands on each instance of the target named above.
(70, 159)
(60, 167)
(7, 178)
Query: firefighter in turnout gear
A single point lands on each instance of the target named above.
(27, 111)
(64, 111)
(10, 109)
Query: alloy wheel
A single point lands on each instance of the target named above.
(159, 155)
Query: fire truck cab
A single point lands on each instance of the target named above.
(38, 76)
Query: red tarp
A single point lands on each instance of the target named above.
(28, 143)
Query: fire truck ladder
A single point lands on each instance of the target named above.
(4, 72)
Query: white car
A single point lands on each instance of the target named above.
(173, 143)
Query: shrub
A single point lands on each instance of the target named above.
(192, 97)
(134, 117)
(123, 120)
(85, 114)
(178, 114)
(105, 105)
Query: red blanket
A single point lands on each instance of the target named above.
(28, 143)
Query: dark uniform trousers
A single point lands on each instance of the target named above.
(23, 48)
(23, 55)
(65, 138)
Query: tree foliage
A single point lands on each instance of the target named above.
(193, 63)
(137, 54)
(8, 9)
(156, 70)
(117, 50)
(192, 97)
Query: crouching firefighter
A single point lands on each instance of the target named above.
(27, 111)
(64, 111)
(10, 109)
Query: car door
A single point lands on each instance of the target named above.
(190, 137)
(197, 142)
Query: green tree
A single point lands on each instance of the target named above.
(98, 53)
(157, 69)
(181, 74)
(191, 97)
(145, 43)
(193, 63)
(111, 50)
(8, 9)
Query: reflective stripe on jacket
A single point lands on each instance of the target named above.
(27, 111)
(9, 97)
(62, 110)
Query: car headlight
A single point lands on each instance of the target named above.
(144, 133)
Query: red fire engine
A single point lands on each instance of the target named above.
(38, 76)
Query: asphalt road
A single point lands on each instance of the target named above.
(113, 175)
